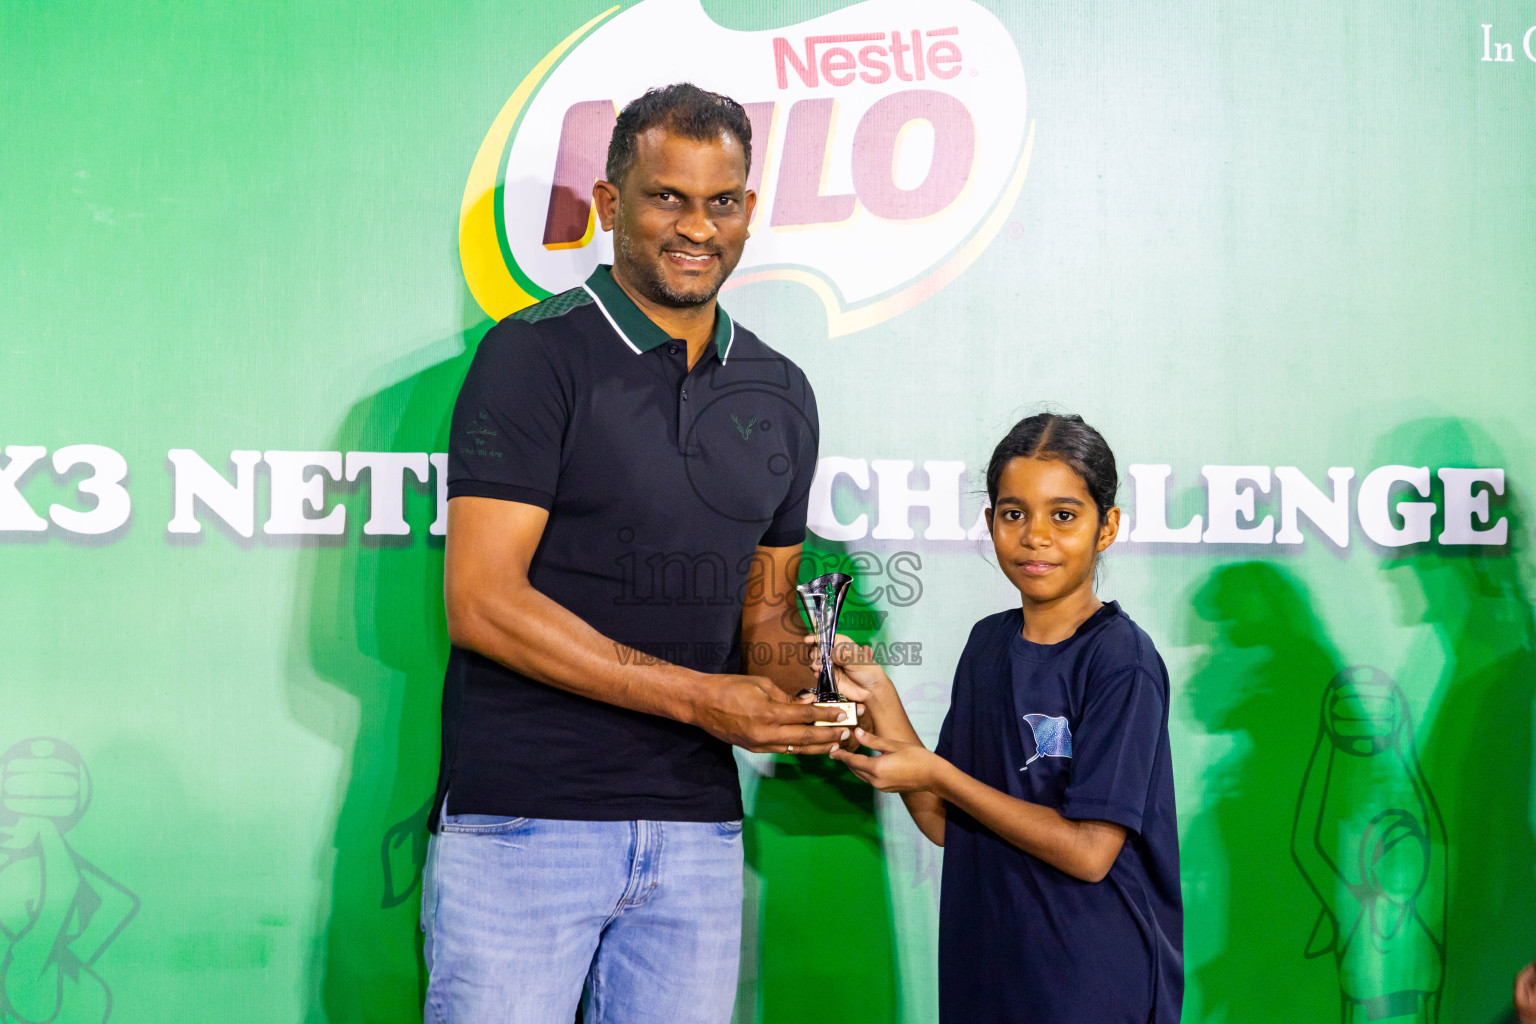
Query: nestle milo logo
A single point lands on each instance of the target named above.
(873, 57)
(885, 158)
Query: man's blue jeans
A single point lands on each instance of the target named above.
(521, 913)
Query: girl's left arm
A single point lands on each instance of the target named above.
(860, 677)
(1084, 849)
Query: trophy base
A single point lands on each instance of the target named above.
(847, 713)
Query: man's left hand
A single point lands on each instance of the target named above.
(808, 696)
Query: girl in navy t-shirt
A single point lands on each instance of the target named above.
(1051, 787)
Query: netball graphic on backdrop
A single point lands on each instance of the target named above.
(889, 144)
(58, 911)
(1053, 738)
(1370, 842)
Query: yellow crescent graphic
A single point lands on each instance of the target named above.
(485, 271)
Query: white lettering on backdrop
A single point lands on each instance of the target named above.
(850, 499)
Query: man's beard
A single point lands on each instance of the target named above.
(648, 277)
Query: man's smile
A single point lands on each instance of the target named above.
(690, 260)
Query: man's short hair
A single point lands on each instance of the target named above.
(682, 109)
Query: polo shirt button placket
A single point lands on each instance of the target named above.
(685, 424)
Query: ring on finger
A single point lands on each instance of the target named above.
(789, 748)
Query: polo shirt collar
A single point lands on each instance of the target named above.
(631, 324)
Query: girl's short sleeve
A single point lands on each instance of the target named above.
(1115, 748)
(946, 735)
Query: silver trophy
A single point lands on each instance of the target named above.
(823, 600)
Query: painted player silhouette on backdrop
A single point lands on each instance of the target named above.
(58, 911)
(1370, 842)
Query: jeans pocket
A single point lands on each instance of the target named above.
(482, 824)
(729, 828)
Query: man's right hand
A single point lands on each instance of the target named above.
(752, 713)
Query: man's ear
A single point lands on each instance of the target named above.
(750, 202)
(605, 200)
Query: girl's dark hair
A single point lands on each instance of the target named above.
(683, 109)
(1067, 439)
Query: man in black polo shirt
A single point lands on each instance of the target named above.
(628, 479)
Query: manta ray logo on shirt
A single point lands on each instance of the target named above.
(1053, 738)
(889, 146)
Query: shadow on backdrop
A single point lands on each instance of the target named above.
(1477, 750)
(371, 622)
(1268, 660)
(826, 944)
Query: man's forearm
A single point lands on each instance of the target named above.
(772, 641)
(770, 649)
(495, 611)
(532, 634)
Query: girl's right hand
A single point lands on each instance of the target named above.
(897, 767)
(858, 674)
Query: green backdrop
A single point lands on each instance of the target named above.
(1242, 235)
